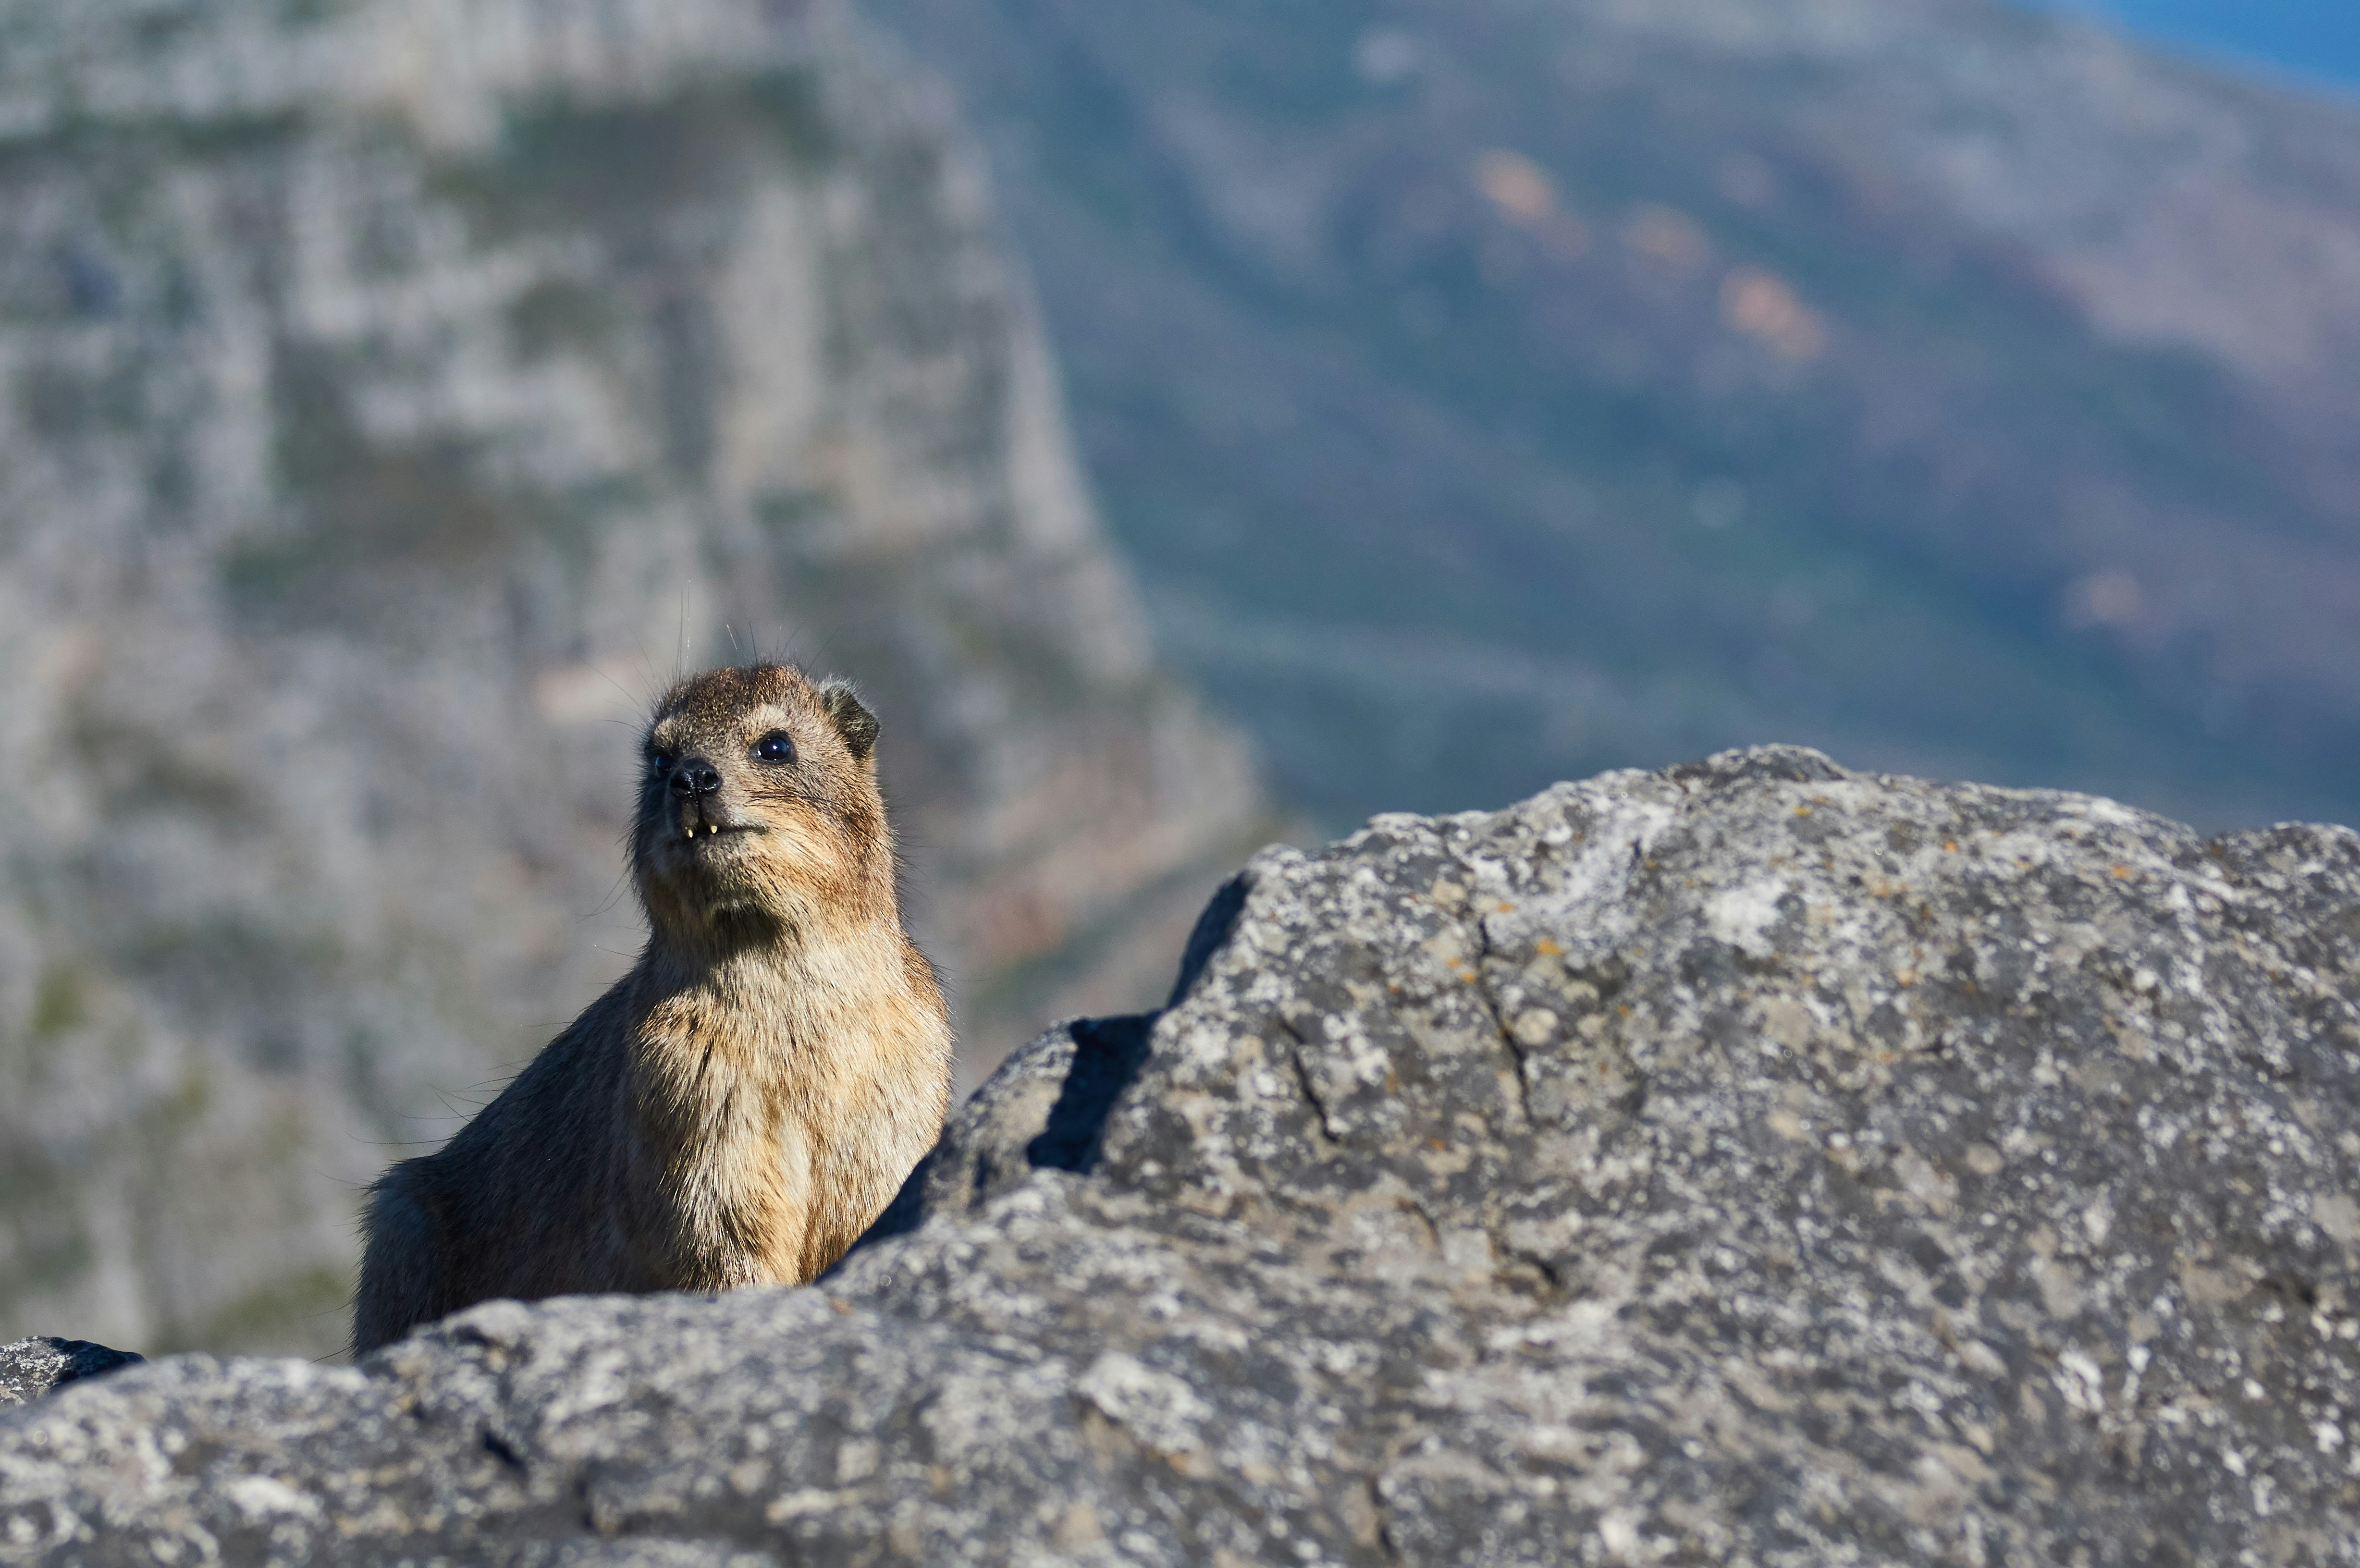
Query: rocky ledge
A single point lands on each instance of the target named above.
(1751, 1162)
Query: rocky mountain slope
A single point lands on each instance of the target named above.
(1492, 391)
(1753, 1162)
(392, 398)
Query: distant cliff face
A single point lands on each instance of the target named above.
(392, 398)
(1491, 392)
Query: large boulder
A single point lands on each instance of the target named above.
(1750, 1162)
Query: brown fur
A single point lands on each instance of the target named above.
(742, 1103)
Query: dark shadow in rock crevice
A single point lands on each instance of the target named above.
(1212, 928)
(1101, 1058)
(1108, 1054)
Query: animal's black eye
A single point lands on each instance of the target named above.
(776, 746)
(661, 757)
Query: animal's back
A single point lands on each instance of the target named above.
(513, 1205)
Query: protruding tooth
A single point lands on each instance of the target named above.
(688, 832)
(713, 827)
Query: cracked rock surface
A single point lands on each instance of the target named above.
(1751, 1162)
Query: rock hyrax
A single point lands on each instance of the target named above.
(743, 1103)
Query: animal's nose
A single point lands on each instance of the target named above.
(694, 777)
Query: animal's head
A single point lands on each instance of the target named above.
(758, 809)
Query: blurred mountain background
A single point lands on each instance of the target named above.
(394, 394)
(1490, 391)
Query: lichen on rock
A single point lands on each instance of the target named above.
(1752, 1161)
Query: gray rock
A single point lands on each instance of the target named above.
(1751, 1162)
(32, 1367)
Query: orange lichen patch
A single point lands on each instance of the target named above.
(1546, 948)
(2111, 599)
(1802, 811)
(1521, 189)
(1766, 308)
(1624, 1008)
(1523, 193)
(1950, 845)
(1671, 238)
(1507, 908)
(2121, 871)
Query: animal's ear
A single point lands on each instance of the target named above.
(855, 724)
